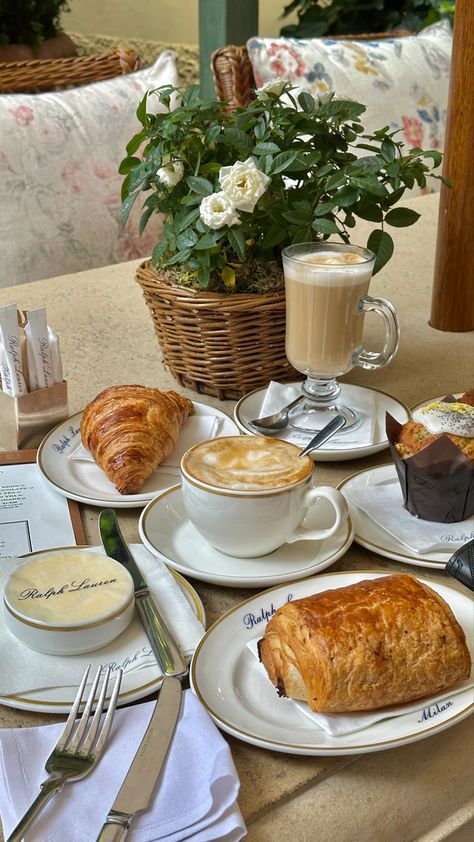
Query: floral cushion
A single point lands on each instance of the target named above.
(402, 81)
(59, 182)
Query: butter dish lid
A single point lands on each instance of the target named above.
(68, 589)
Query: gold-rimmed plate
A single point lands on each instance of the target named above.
(85, 482)
(249, 407)
(372, 535)
(234, 688)
(132, 645)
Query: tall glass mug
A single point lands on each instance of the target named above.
(326, 288)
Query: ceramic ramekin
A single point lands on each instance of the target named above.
(68, 602)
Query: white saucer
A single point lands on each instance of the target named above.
(236, 692)
(373, 537)
(86, 482)
(167, 533)
(136, 684)
(250, 405)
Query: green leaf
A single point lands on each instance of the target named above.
(306, 101)
(388, 150)
(325, 226)
(273, 236)
(393, 197)
(401, 217)
(303, 235)
(205, 242)
(266, 148)
(144, 219)
(282, 161)
(158, 251)
(186, 220)
(179, 257)
(381, 243)
(237, 241)
(368, 210)
(187, 239)
(211, 134)
(204, 276)
(135, 142)
(346, 196)
(260, 128)
(200, 185)
(435, 155)
(127, 206)
(127, 164)
(142, 112)
(237, 138)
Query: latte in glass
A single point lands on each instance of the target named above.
(324, 323)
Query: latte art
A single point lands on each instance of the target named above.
(244, 463)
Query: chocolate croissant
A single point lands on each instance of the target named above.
(379, 642)
(130, 430)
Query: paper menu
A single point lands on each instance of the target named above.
(33, 517)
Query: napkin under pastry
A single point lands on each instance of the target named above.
(339, 724)
(279, 395)
(25, 670)
(383, 503)
(196, 428)
(195, 797)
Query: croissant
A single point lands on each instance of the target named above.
(130, 430)
(379, 642)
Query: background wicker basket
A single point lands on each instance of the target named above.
(217, 344)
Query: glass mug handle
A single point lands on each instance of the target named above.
(377, 359)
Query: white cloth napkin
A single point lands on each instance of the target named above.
(196, 428)
(279, 395)
(194, 799)
(383, 503)
(24, 670)
(339, 724)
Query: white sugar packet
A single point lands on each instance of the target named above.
(339, 724)
(196, 428)
(279, 395)
(24, 670)
(383, 503)
(42, 345)
(11, 363)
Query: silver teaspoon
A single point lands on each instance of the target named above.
(278, 420)
(323, 435)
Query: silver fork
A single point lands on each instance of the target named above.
(75, 754)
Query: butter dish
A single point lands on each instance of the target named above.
(69, 601)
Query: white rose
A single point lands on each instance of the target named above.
(171, 173)
(218, 210)
(243, 183)
(274, 86)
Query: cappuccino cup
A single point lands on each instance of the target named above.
(248, 495)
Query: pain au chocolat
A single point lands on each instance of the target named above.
(379, 642)
(130, 430)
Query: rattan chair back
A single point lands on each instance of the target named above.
(58, 73)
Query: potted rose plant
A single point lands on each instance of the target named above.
(235, 188)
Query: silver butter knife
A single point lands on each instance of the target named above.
(137, 789)
(165, 648)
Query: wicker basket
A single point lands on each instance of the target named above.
(217, 344)
(51, 74)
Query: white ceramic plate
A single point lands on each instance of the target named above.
(167, 533)
(86, 482)
(237, 693)
(372, 536)
(135, 684)
(250, 405)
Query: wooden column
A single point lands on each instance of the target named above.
(223, 22)
(452, 305)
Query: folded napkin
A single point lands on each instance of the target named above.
(196, 428)
(383, 503)
(279, 395)
(25, 670)
(339, 724)
(194, 799)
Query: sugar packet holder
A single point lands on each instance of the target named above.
(33, 397)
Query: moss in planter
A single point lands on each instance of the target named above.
(260, 277)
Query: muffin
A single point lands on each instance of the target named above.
(433, 454)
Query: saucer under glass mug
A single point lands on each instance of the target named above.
(326, 287)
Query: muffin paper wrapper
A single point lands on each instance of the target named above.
(437, 482)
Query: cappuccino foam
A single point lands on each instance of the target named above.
(246, 463)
